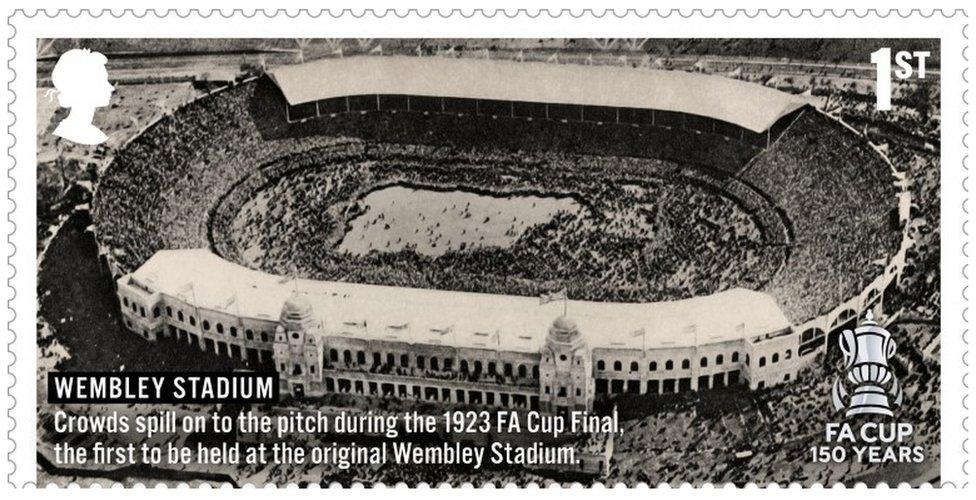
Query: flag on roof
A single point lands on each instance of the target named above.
(230, 301)
(443, 331)
(549, 297)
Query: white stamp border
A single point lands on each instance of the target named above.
(950, 26)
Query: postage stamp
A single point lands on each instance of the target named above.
(646, 248)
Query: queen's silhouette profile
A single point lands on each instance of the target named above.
(82, 85)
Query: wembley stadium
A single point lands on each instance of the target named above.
(383, 226)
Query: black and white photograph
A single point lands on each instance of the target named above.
(488, 261)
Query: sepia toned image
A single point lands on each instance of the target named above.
(705, 257)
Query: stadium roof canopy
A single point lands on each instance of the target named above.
(462, 319)
(748, 105)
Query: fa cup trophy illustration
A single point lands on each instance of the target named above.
(867, 350)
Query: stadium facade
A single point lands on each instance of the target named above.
(481, 349)
(494, 350)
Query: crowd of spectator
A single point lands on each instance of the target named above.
(157, 192)
(840, 196)
(650, 230)
(909, 135)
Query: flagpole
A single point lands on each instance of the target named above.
(498, 348)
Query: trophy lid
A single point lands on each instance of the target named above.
(869, 325)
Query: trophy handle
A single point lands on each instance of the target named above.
(895, 391)
(838, 394)
(890, 349)
(848, 345)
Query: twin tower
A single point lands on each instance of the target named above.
(308, 361)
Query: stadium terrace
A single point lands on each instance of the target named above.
(500, 350)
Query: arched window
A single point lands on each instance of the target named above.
(361, 357)
(478, 367)
(685, 364)
(634, 366)
(333, 355)
(735, 357)
(762, 361)
(249, 334)
(618, 366)
(669, 365)
(522, 371)
(193, 321)
(220, 328)
(535, 371)
(653, 366)
(206, 325)
(179, 315)
(347, 356)
(507, 370)
(169, 311)
(789, 354)
(264, 336)
(434, 364)
(404, 360)
(775, 357)
(719, 360)
(421, 363)
(601, 365)
(491, 368)
(155, 312)
(125, 301)
(464, 366)
(390, 359)
(703, 362)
